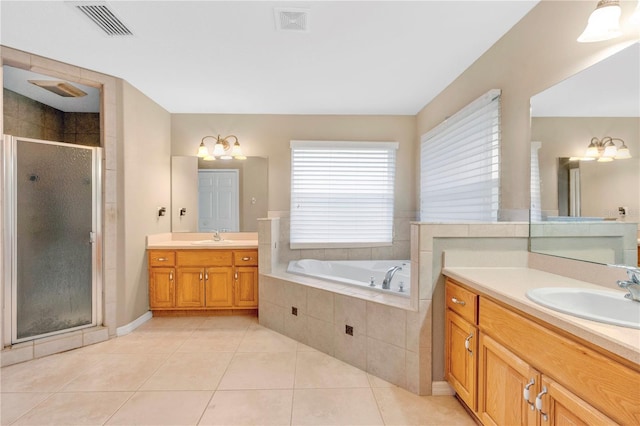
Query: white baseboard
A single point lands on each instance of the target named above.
(126, 329)
(441, 389)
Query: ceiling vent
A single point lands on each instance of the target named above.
(103, 17)
(288, 19)
(60, 88)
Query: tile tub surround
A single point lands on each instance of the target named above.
(408, 349)
(386, 337)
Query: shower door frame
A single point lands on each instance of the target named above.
(10, 239)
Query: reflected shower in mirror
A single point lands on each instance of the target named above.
(587, 210)
(194, 203)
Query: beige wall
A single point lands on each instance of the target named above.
(269, 136)
(605, 186)
(146, 153)
(535, 54)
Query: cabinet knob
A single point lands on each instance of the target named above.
(170, 276)
(200, 276)
(458, 302)
(526, 393)
(235, 276)
(246, 259)
(539, 404)
(161, 259)
(467, 344)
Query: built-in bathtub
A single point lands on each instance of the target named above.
(364, 273)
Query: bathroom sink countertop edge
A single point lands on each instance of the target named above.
(510, 285)
(201, 240)
(189, 245)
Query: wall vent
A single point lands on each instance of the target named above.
(288, 19)
(104, 18)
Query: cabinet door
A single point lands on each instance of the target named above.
(461, 354)
(161, 287)
(559, 406)
(219, 287)
(502, 378)
(246, 287)
(190, 288)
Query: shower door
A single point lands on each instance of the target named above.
(52, 193)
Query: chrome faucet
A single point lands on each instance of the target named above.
(216, 236)
(386, 283)
(633, 285)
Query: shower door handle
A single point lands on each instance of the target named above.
(92, 237)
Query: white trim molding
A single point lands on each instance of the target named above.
(128, 328)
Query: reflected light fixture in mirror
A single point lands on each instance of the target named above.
(222, 149)
(605, 150)
(604, 22)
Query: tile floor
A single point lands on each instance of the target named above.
(208, 371)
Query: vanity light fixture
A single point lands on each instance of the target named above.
(605, 150)
(222, 149)
(604, 22)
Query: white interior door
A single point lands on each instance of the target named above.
(218, 201)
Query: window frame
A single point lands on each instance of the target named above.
(331, 229)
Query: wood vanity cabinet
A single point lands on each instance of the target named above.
(246, 278)
(461, 349)
(203, 280)
(531, 373)
(161, 278)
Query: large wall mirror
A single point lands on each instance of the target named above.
(582, 208)
(197, 206)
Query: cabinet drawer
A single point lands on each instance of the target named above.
(162, 258)
(245, 258)
(462, 301)
(204, 258)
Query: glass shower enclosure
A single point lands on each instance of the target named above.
(51, 239)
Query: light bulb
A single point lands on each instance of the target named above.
(202, 150)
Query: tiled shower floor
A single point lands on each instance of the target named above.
(208, 371)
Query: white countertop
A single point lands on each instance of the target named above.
(202, 241)
(509, 286)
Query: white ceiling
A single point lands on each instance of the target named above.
(359, 57)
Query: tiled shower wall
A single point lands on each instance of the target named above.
(27, 118)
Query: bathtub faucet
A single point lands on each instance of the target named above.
(633, 285)
(386, 283)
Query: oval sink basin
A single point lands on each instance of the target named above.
(211, 242)
(605, 306)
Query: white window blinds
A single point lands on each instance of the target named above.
(460, 165)
(342, 193)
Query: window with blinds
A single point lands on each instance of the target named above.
(342, 193)
(460, 165)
